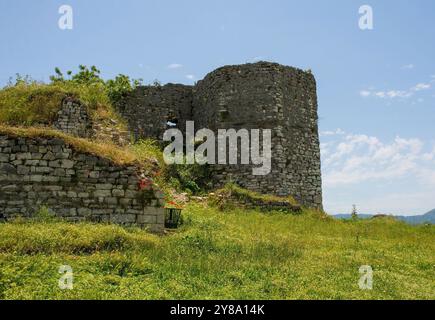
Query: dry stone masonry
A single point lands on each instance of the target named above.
(252, 96)
(149, 109)
(36, 172)
(74, 119)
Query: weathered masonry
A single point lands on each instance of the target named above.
(73, 119)
(252, 96)
(41, 171)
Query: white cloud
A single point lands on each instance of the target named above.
(392, 94)
(190, 76)
(364, 93)
(337, 131)
(380, 94)
(408, 66)
(360, 158)
(421, 86)
(175, 66)
(395, 176)
(398, 94)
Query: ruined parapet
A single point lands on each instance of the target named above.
(150, 110)
(266, 96)
(74, 119)
(109, 132)
(47, 171)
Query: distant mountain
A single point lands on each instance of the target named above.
(425, 218)
(349, 216)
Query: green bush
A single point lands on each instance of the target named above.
(120, 86)
(192, 178)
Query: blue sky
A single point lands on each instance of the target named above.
(376, 88)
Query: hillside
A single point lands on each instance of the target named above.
(220, 255)
(225, 247)
(424, 218)
(418, 219)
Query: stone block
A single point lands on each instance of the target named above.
(67, 164)
(7, 168)
(104, 186)
(118, 193)
(123, 218)
(111, 200)
(4, 157)
(146, 219)
(102, 193)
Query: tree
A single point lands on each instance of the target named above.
(354, 212)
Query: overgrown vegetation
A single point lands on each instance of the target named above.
(145, 153)
(236, 255)
(140, 154)
(190, 178)
(216, 254)
(193, 179)
(27, 102)
(222, 198)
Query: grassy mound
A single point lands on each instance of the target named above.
(237, 255)
(55, 237)
(145, 153)
(28, 104)
(25, 102)
(232, 195)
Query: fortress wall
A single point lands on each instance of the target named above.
(236, 96)
(38, 171)
(148, 108)
(301, 137)
(261, 95)
(267, 96)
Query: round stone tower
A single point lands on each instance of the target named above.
(266, 96)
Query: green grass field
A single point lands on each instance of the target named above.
(220, 255)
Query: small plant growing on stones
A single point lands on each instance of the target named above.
(44, 214)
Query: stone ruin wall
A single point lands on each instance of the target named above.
(148, 109)
(251, 96)
(78, 186)
(73, 119)
(267, 96)
(39, 171)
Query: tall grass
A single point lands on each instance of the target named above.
(26, 102)
(38, 103)
(234, 254)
